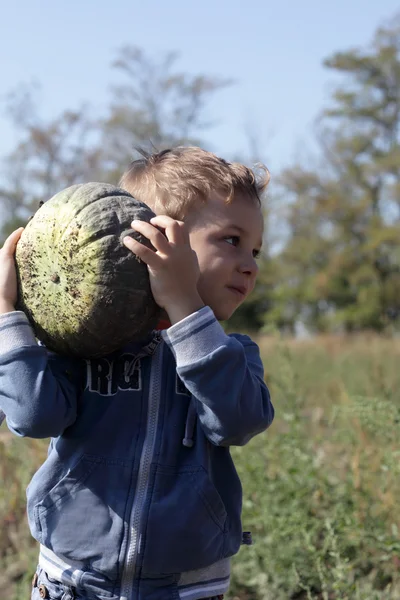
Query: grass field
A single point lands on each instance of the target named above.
(321, 487)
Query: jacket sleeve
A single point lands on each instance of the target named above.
(225, 375)
(38, 390)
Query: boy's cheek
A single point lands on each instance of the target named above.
(252, 286)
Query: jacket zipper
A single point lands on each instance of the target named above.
(143, 478)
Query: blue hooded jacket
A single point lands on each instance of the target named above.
(139, 492)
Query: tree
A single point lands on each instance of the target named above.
(156, 105)
(341, 265)
(50, 155)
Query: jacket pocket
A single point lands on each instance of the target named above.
(186, 524)
(82, 517)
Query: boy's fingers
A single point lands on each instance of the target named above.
(147, 255)
(176, 231)
(164, 221)
(11, 242)
(156, 237)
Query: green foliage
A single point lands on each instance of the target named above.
(321, 486)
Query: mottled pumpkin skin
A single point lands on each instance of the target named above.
(84, 293)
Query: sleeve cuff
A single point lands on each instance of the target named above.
(15, 331)
(195, 337)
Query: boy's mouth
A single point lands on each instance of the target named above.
(238, 289)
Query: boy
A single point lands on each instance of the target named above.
(139, 498)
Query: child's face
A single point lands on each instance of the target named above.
(226, 238)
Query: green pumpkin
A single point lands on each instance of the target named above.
(84, 293)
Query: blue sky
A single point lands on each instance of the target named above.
(273, 50)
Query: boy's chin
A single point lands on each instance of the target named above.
(223, 315)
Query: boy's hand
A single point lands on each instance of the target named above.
(8, 274)
(173, 266)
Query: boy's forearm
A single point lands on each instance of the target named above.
(6, 307)
(15, 332)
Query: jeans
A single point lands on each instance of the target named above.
(44, 587)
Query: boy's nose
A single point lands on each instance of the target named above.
(249, 267)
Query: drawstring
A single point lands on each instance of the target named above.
(190, 424)
(2, 416)
(148, 350)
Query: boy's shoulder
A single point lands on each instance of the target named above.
(242, 337)
(246, 341)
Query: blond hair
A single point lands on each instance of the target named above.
(176, 181)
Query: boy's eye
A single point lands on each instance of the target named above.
(233, 240)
